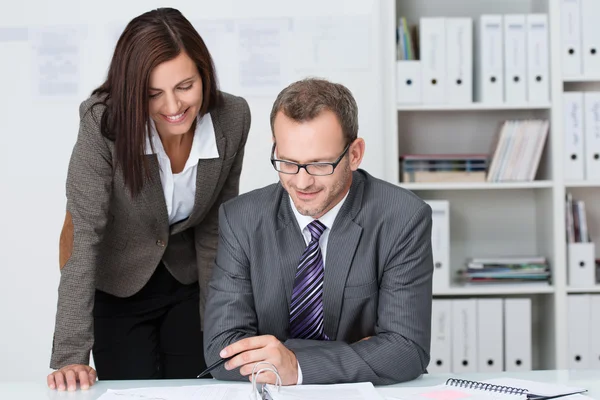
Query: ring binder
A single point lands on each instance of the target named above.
(255, 374)
(488, 387)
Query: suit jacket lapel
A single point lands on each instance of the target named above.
(207, 176)
(153, 195)
(341, 247)
(290, 246)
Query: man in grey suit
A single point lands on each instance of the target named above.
(327, 274)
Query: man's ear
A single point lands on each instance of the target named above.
(357, 152)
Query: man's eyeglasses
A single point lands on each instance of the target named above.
(316, 169)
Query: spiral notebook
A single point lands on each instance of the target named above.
(494, 389)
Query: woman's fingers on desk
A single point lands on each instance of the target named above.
(67, 377)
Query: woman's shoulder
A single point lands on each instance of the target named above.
(230, 103)
(233, 114)
(91, 111)
(95, 105)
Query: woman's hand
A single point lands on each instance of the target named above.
(67, 377)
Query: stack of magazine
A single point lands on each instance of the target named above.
(506, 270)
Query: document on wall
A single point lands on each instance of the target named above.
(335, 42)
(13, 34)
(200, 392)
(220, 39)
(56, 61)
(262, 50)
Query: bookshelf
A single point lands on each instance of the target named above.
(490, 219)
(477, 185)
(472, 107)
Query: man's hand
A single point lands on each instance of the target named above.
(262, 348)
(85, 374)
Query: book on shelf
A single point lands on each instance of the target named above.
(576, 220)
(444, 167)
(506, 270)
(406, 41)
(517, 150)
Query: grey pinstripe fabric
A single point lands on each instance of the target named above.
(119, 241)
(377, 283)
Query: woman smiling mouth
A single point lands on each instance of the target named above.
(175, 119)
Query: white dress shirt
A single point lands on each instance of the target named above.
(180, 189)
(327, 220)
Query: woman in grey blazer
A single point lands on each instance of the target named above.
(159, 149)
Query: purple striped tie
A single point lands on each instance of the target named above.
(306, 315)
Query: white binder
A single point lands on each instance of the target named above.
(517, 334)
(464, 335)
(432, 33)
(441, 338)
(570, 31)
(574, 129)
(591, 103)
(408, 82)
(459, 60)
(490, 60)
(515, 59)
(440, 243)
(590, 37)
(538, 59)
(490, 335)
(595, 331)
(578, 330)
(581, 264)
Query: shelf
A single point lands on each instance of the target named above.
(583, 184)
(471, 107)
(495, 290)
(591, 289)
(582, 79)
(476, 185)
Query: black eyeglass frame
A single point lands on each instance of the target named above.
(299, 166)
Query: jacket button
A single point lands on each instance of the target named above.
(160, 243)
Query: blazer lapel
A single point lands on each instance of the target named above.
(341, 247)
(290, 246)
(207, 176)
(153, 194)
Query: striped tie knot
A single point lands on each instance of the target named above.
(316, 229)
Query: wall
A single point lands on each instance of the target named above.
(55, 53)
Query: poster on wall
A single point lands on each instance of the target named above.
(56, 61)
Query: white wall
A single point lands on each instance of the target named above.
(37, 131)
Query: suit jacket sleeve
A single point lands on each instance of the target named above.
(399, 351)
(230, 313)
(207, 233)
(88, 188)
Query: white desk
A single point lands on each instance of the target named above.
(38, 391)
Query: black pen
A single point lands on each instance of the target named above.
(215, 365)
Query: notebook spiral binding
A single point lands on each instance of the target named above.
(488, 387)
(257, 371)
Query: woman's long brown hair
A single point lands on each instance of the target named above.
(148, 40)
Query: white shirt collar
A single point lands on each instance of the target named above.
(328, 219)
(204, 144)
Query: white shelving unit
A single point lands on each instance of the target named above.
(491, 219)
(472, 107)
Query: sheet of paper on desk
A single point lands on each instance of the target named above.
(201, 392)
(345, 391)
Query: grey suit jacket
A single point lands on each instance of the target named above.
(378, 277)
(118, 240)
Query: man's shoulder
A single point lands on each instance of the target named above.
(253, 203)
(392, 195)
